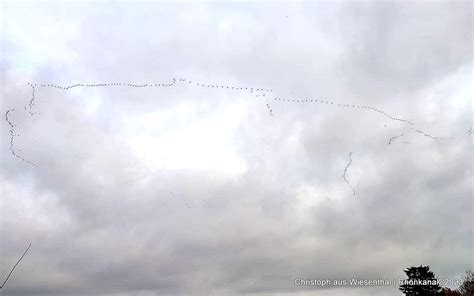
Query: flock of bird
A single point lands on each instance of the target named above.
(394, 138)
(188, 202)
(258, 92)
(31, 103)
(14, 266)
(270, 110)
(13, 134)
(431, 136)
(263, 93)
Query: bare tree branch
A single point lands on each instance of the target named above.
(11, 271)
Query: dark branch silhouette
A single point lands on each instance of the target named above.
(345, 171)
(394, 138)
(11, 271)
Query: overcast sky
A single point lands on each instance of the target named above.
(194, 190)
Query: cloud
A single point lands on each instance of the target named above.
(193, 190)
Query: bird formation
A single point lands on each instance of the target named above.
(12, 138)
(11, 271)
(259, 92)
(263, 93)
(181, 80)
(469, 132)
(187, 202)
(365, 108)
(270, 110)
(108, 85)
(345, 172)
(394, 138)
(432, 137)
(362, 107)
(32, 100)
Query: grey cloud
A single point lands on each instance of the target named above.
(102, 222)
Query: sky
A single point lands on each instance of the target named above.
(229, 148)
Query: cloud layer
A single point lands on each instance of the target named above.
(195, 190)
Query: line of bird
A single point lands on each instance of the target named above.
(188, 202)
(394, 138)
(31, 103)
(257, 92)
(270, 110)
(431, 136)
(174, 81)
(13, 134)
(182, 80)
(345, 172)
